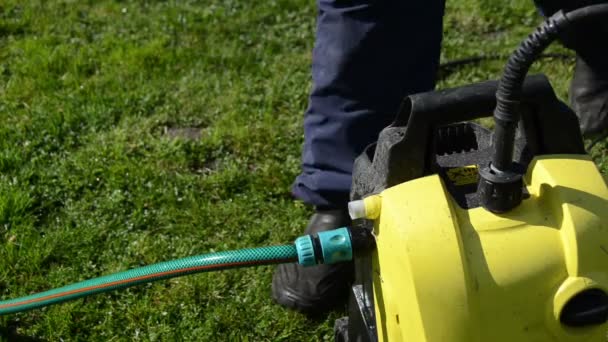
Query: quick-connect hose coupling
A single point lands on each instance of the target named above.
(326, 247)
(336, 245)
(305, 249)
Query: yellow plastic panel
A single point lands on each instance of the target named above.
(442, 273)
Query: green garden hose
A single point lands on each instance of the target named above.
(164, 270)
(331, 250)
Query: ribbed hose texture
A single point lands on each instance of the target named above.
(169, 269)
(508, 95)
(509, 89)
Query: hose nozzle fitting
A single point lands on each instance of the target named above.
(326, 247)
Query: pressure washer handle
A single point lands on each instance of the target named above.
(466, 103)
(405, 150)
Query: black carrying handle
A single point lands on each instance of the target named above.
(467, 103)
(403, 148)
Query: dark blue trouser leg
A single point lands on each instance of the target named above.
(368, 55)
(589, 86)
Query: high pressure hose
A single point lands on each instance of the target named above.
(325, 247)
(500, 186)
(508, 96)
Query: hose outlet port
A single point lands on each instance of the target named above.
(587, 308)
(499, 191)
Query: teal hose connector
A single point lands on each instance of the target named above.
(326, 247)
(305, 249)
(336, 245)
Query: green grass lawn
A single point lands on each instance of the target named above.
(133, 132)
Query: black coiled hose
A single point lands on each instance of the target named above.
(508, 95)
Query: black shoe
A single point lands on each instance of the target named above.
(589, 97)
(317, 289)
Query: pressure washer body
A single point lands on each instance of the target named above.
(468, 250)
(447, 269)
(461, 233)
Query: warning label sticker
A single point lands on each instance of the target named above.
(463, 175)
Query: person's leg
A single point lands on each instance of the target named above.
(589, 87)
(589, 94)
(368, 55)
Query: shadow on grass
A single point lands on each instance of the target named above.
(9, 333)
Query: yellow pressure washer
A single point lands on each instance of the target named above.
(461, 234)
(480, 235)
